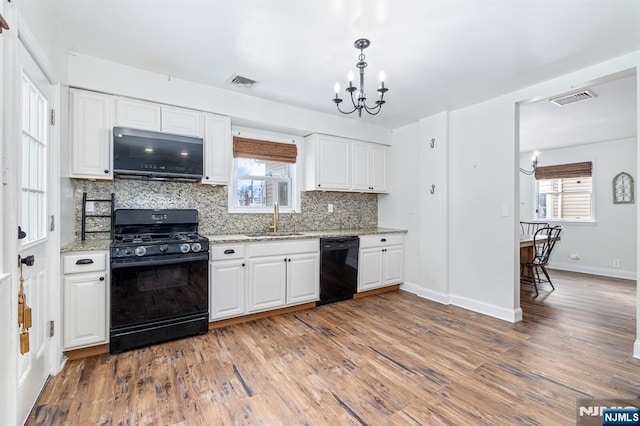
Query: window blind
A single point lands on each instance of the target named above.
(564, 171)
(264, 150)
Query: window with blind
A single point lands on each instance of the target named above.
(565, 192)
(264, 174)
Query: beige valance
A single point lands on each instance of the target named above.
(264, 150)
(560, 171)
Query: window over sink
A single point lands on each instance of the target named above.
(264, 172)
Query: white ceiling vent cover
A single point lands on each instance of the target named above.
(240, 81)
(585, 95)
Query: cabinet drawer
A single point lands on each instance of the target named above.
(283, 247)
(84, 262)
(381, 240)
(226, 251)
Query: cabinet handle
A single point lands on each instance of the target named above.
(318, 185)
(84, 262)
(206, 177)
(289, 260)
(285, 259)
(101, 278)
(243, 264)
(229, 251)
(106, 172)
(383, 240)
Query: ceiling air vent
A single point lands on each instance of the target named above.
(240, 81)
(585, 95)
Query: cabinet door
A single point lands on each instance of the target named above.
(393, 265)
(217, 149)
(360, 166)
(181, 121)
(333, 163)
(84, 310)
(370, 268)
(379, 167)
(226, 290)
(91, 128)
(267, 282)
(303, 278)
(137, 114)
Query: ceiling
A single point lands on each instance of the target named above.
(611, 114)
(437, 55)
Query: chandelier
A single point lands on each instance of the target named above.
(359, 100)
(534, 165)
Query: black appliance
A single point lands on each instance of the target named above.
(159, 277)
(338, 269)
(155, 155)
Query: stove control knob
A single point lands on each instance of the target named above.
(141, 251)
(184, 248)
(128, 251)
(164, 248)
(196, 247)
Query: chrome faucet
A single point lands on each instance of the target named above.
(275, 217)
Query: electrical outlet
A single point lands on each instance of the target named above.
(574, 256)
(90, 207)
(616, 263)
(330, 208)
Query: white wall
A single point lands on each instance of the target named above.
(614, 233)
(400, 208)
(97, 74)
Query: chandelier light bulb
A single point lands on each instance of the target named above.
(337, 88)
(350, 77)
(382, 76)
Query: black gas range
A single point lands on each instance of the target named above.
(159, 277)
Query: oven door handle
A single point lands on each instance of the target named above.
(156, 262)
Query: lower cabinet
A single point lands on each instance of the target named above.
(380, 261)
(255, 277)
(84, 301)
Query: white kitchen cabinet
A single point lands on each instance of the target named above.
(282, 273)
(90, 150)
(84, 301)
(380, 261)
(138, 114)
(217, 149)
(157, 117)
(327, 163)
(267, 284)
(181, 121)
(227, 281)
(369, 167)
(303, 277)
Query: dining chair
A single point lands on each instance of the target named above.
(544, 240)
(530, 228)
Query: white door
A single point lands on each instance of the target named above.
(34, 211)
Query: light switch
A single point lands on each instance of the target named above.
(330, 208)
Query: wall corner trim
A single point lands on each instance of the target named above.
(636, 349)
(426, 293)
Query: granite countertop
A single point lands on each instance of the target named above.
(328, 233)
(103, 244)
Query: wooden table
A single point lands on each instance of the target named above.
(528, 251)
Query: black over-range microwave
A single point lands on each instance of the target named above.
(155, 155)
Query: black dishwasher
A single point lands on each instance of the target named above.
(338, 269)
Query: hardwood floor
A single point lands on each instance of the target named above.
(391, 358)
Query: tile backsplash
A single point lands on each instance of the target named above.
(351, 210)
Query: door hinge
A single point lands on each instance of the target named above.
(53, 117)
(51, 328)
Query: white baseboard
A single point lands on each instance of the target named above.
(636, 349)
(426, 293)
(614, 273)
(511, 315)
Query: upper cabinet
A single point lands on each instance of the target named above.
(160, 118)
(91, 139)
(340, 164)
(217, 149)
(93, 116)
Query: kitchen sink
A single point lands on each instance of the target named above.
(272, 234)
